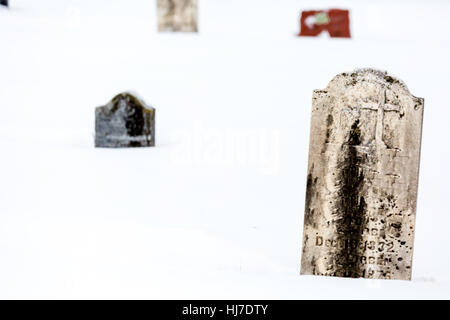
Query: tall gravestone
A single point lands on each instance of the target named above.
(362, 180)
(126, 121)
(177, 15)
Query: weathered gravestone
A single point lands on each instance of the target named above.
(125, 121)
(177, 15)
(362, 178)
(4, 2)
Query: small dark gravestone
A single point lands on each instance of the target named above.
(4, 2)
(125, 121)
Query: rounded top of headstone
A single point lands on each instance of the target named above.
(129, 98)
(381, 77)
(126, 100)
(360, 78)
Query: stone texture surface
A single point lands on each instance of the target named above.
(362, 180)
(125, 122)
(177, 15)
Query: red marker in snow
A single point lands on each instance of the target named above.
(335, 21)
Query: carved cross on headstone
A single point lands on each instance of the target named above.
(362, 178)
(380, 109)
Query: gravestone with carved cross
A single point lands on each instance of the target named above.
(177, 15)
(362, 178)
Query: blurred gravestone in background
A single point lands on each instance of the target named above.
(4, 2)
(363, 168)
(336, 22)
(125, 121)
(177, 15)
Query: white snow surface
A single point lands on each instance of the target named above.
(215, 210)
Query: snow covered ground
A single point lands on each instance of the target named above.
(215, 210)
